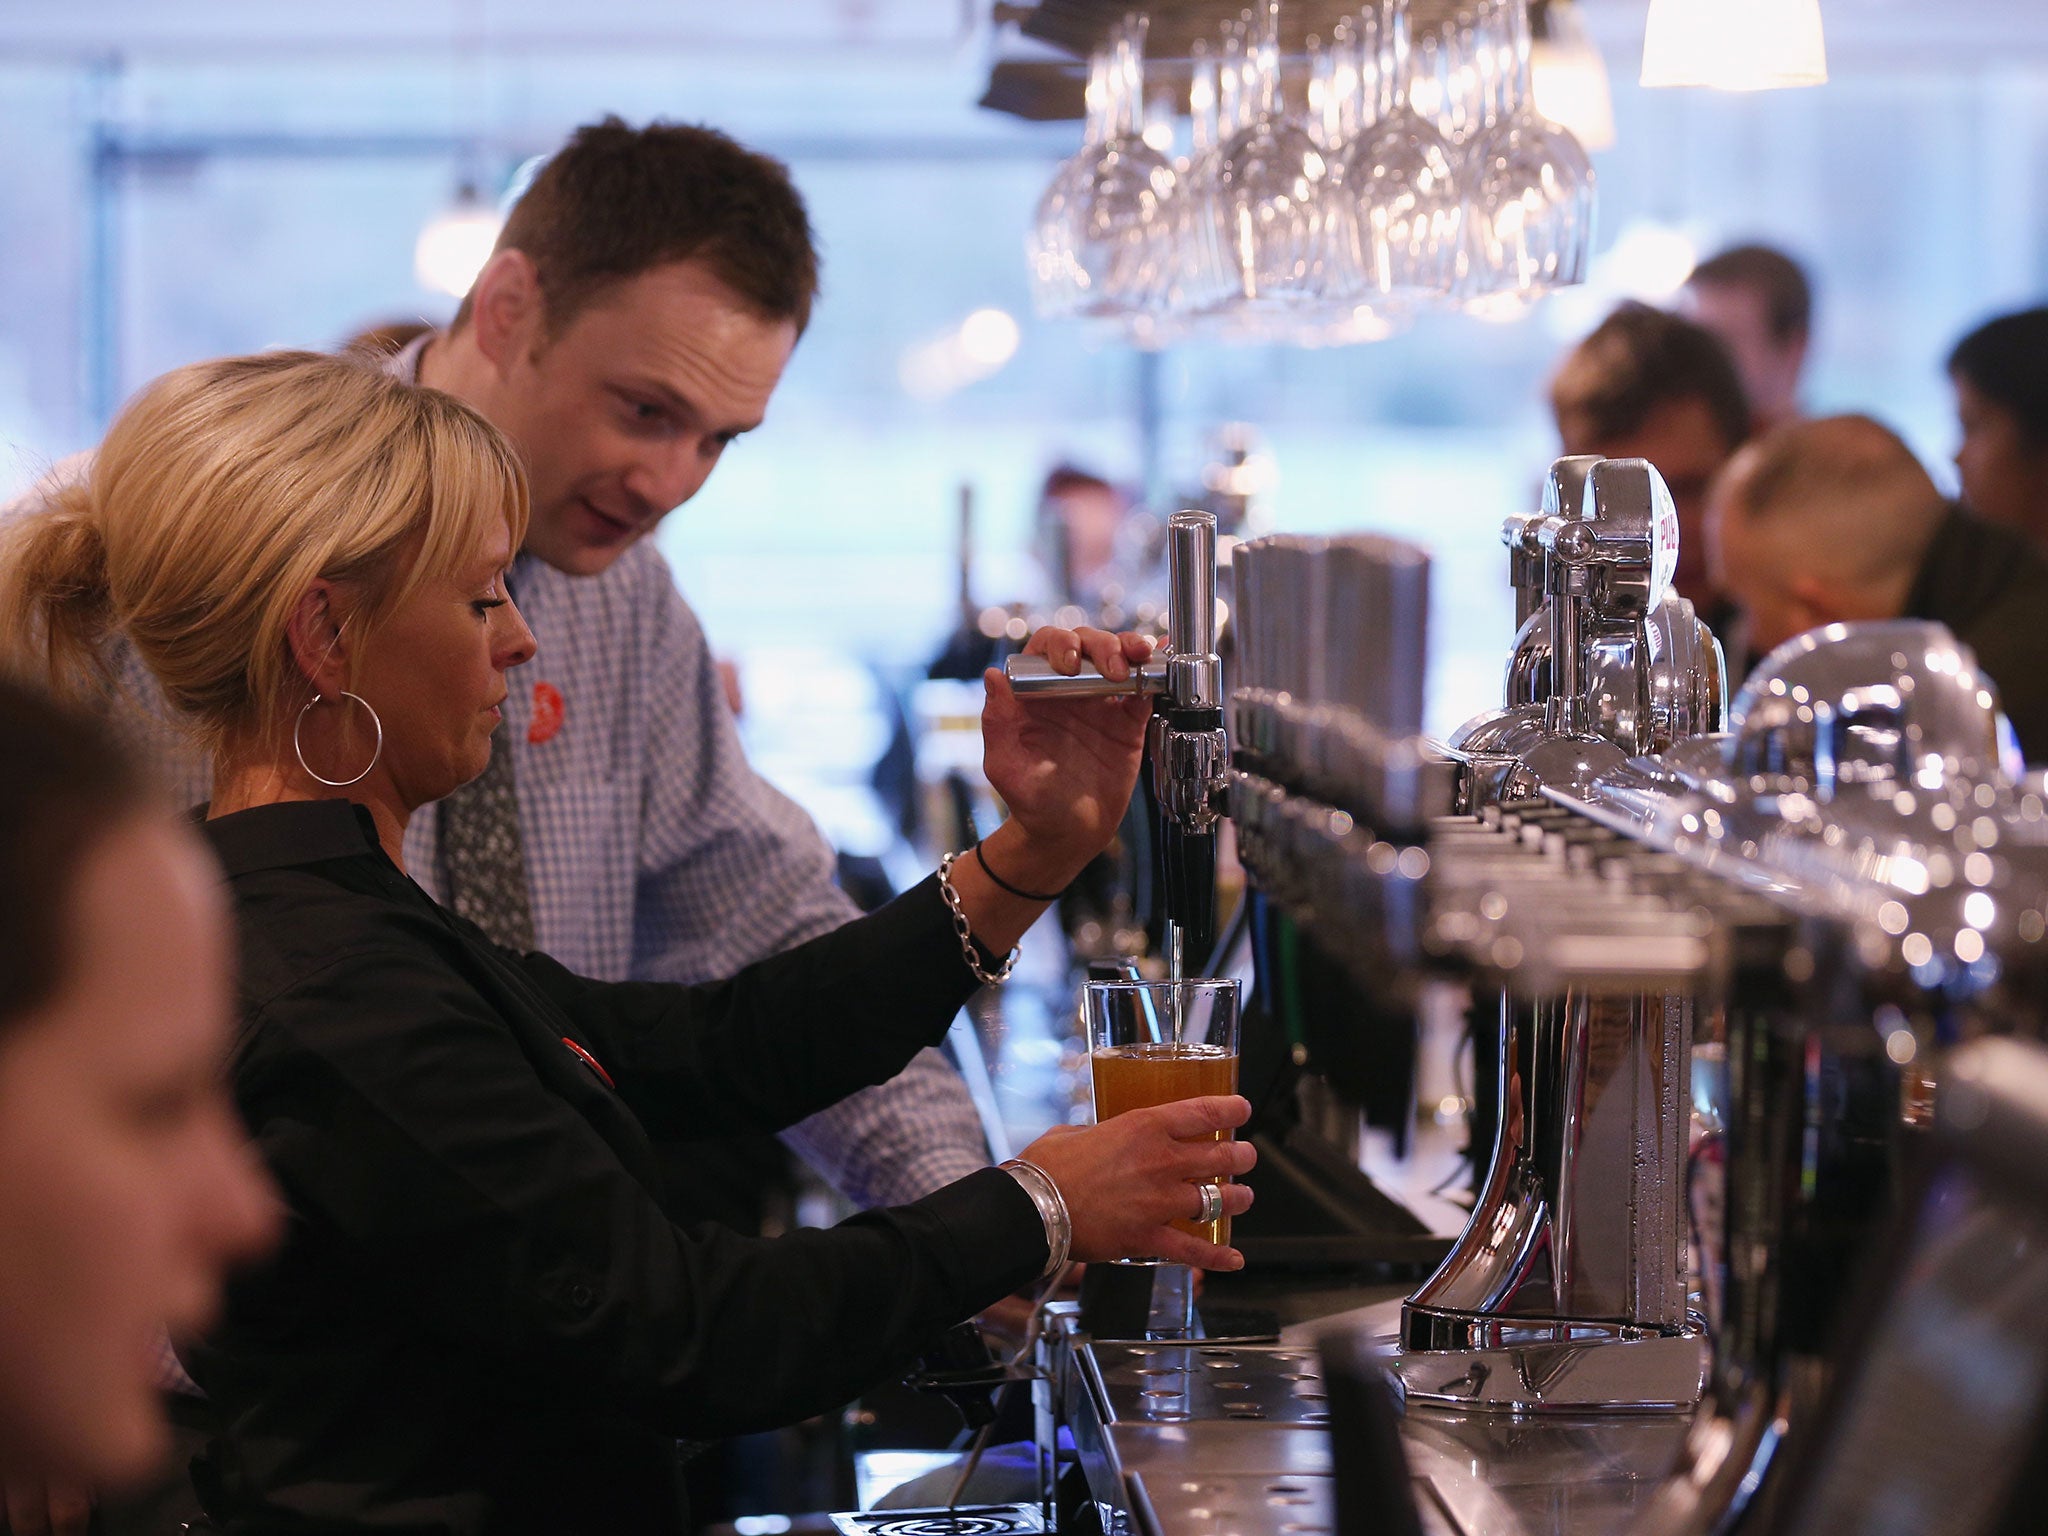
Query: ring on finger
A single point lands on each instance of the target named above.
(1212, 1203)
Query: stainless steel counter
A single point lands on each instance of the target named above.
(1232, 1439)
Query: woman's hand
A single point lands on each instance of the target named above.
(1127, 1178)
(1064, 767)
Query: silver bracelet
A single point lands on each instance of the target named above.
(1052, 1210)
(981, 974)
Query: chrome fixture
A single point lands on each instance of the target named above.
(1609, 662)
(1866, 791)
(1567, 1289)
(1189, 751)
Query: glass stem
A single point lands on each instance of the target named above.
(1128, 112)
(1269, 60)
(1373, 83)
(1100, 66)
(1522, 99)
(1397, 44)
(1230, 110)
(1202, 103)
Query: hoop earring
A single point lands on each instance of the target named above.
(299, 751)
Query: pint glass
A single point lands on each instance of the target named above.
(1152, 1042)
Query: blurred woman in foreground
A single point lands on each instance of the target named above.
(125, 1187)
(480, 1319)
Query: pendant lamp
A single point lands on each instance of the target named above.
(1734, 45)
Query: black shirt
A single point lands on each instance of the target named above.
(1989, 585)
(480, 1320)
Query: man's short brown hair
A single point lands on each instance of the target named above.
(1772, 276)
(616, 201)
(1638, 359)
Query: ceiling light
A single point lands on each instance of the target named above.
(1568, 75)
(1649, 262)
(456, 243)
(975, 349)
(1734, 45)
(988, 338)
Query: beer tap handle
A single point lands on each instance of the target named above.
(1033, 677)
(1564, 496)
(1187, 675)
(1194, 673)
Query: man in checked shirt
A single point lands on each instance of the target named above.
(637, 313)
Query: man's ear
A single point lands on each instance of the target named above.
(319, 649)
(507, 309)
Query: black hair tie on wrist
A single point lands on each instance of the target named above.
(982, 860)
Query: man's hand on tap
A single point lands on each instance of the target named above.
(1064, 769)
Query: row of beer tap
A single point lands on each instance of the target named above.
(1838, 878)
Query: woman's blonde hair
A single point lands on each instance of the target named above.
(221, 493)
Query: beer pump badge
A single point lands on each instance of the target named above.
(1663, 539)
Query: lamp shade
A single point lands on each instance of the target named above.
(1734, 45)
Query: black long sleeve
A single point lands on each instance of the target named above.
(477, 1273)
(783, 1038)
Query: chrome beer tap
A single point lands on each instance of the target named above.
(1609, 661)
(1189, 751)
(1567, 1289)
(1564, 493)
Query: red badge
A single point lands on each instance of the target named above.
(547, 713)
(591, 1062)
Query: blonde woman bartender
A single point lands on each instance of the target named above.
(479, 1319)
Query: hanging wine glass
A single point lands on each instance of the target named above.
(1266, 199)
(1532, 189)
(1096, 217)
(1216, 103)
(1399, 190)
(1057, 286)
(1143, 276)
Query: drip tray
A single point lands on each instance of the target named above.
(969, 1520)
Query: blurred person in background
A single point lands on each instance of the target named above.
(1080, 516)
(126, 1187)
(1075, 534)
(1834, 520)
(2000, 374)
(481, 1321)
(1759, 302)
(1651, 385)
